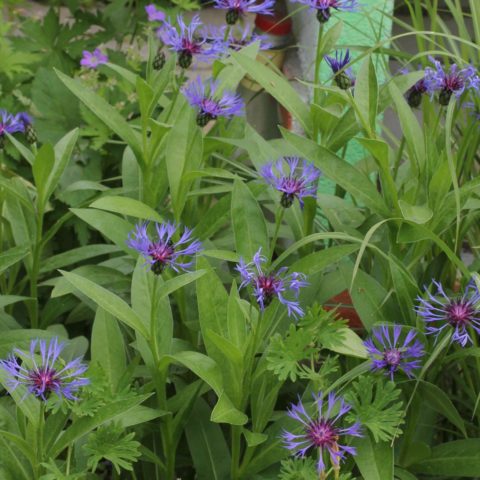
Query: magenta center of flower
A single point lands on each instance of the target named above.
(209, 106)
(322, 433)
(268, 285)
(161, 252)
(189, 46)
(453, 82)
(292, 185)
(43, 380)
(392, 357)
(459, 313)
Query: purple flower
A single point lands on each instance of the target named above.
(440, 311)
(49, 375)
(389, 354)
(188, 42)
(154, 15)
(9, 123)
(267, 286)
(237, 8)
(343, 76)
(321, 431)
(211, 105)
(298, 182)
(26, 120)
(164, 251)
(453, 82)
(324, 7)
(93, 60)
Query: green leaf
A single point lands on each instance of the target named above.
(253, 439)
(42, 168)
(86, 424)
(225, 412)
(277, 86)
(12, 256)
(366, 95)
(439, 401)
(111, 226)
(374, 460)
(349, 344)
(127, 206)
(453, 459)
(178, 282)
(416, 214)
(249, 227)
(108, 347)
(210, 453)
(108, 301)
(105, 112)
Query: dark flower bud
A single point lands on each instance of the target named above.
(159, 60)
(343, 81)
(232, 16)
(444, 97)
(287, 200)
(323, 15)
(185, 58)
(204, 117)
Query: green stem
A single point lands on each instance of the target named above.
(236, 445)
(316, 89)
(40, 434)
(278, 222)
(36, 254)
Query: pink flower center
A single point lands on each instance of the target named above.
(161, 252)
(453, 82)
(322, 433)
(392, 357)
(268, 286)
(292, 184)
(190, 46)
(459, 313)
(43, 380)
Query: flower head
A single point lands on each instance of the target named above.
(453, 82)
(163, 251)
(10, 123)
(323, 7)
(209, 103)
(154, 15)
(343, 76)
(93, 60)
(322, 431)
(298, 182)
(46, 375)
(189, 42)
(440, 311)
(267, 286)
(415, 92)
(237, 8)
(391, 355)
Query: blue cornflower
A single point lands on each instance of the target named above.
(209, 103)
(391, 355)
(453, 82)
(267, 286)
(164, 251)
(323, 7)
(9, 123)
(343, 76)
(440, 311)
(322, 431)
(298, 182)
(188, 42)
(237, 8)
(49, 375)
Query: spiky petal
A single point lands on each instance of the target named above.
(10, 123)
(211, 104)
(238, 8)
(47, 375)
(164, 251)
(324, 7)
(189, 42)
(452, 82)
(440, 312)
(322, 430)
(344, 77)
(267, 286)
(297, 182)
(390, 354)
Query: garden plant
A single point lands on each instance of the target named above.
(168, 276)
